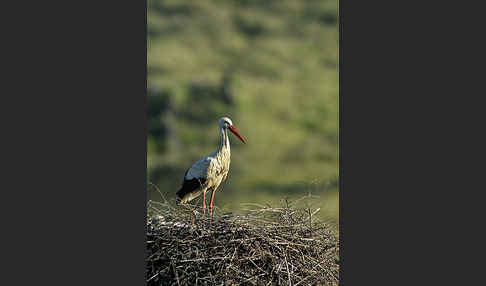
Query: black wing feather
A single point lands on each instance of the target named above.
(189, 186)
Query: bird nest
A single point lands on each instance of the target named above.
(266, 246)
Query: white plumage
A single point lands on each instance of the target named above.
(208, 173)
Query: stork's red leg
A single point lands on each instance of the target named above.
(204, 203)
(211, 201)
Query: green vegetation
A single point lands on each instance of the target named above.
(272, 67)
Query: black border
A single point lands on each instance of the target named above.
(75, 167)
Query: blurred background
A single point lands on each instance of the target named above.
(269, 65)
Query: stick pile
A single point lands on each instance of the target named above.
(267, 246)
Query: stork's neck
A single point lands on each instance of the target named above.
(225, 144)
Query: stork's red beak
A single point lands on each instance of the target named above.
(233, 129)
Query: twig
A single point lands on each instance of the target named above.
(153, 276)
(287, 266)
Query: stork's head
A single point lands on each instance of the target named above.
(226, 123)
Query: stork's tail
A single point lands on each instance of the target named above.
(186, 196)
(190, 189)
(181, 194)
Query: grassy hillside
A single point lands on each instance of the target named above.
(271, 66)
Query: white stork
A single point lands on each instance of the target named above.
(208, 173)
